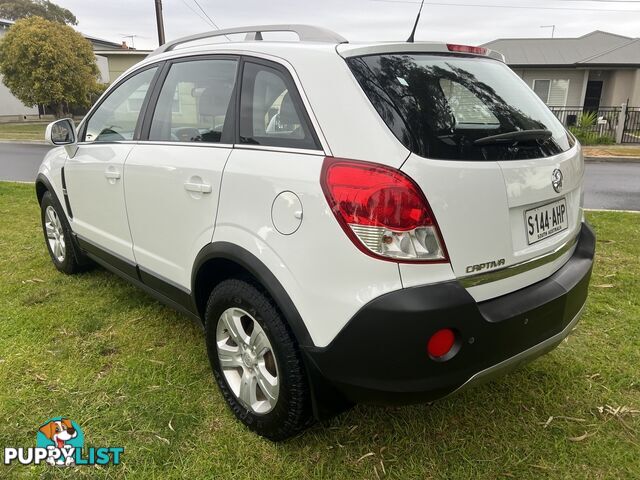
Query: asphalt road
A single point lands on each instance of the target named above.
(19, 162)
(609, 185)
(612, 186)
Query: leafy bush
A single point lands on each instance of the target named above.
(586, 130)
(45, 62)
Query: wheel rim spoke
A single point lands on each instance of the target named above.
(259, 342)
(234, 327)
(267, 383)
(247, 393)
(51, 215)
(229, 356)
(51, 231)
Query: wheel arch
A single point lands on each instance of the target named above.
(219, 261)
(43, 185)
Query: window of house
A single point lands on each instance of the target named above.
(193, 102)
(552, 92)
(116, 117)
(271, 113)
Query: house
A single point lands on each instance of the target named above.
(587, 73)
(113, 59)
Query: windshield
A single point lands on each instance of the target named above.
(440, 105)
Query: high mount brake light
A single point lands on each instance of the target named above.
(382, 211)
(467, 49)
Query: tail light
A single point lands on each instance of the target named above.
(467, 49)
(382, 211)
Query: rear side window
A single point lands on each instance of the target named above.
(193, 102)
(271, 113)
(448, 107)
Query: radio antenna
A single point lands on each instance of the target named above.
(415, 26)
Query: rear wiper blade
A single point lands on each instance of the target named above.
(517, 136)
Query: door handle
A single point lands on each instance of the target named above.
(112, 174)
(197, 187)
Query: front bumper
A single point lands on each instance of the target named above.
(380, 356)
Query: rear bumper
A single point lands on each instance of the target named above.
(380, 356)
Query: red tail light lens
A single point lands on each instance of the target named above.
(382, 210)
(467, 49)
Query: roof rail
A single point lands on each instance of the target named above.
(306, 33)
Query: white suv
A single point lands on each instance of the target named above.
(379, 223)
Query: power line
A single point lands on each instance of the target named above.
(210, 19)
(197, 13)
(206, 15)
(527, 7)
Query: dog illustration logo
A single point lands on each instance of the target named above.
(61, 437)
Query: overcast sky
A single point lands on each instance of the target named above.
(464, 21)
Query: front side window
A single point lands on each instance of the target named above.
(452, 107)
(271, 113)
(193, 103)
(116, 117)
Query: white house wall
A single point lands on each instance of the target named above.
(575, 96)
(13, 108)
(103, 67)
(623, 86)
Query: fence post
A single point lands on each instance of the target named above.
(622, 117)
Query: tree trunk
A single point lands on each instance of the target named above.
(59, 110)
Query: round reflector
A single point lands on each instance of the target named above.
(441, 343)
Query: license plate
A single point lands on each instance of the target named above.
(546, 221)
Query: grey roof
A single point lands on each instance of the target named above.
(595, 48)
(98, 43)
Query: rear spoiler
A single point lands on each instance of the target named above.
(348, 50)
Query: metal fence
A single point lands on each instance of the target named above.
(606, 125)
(631, 132)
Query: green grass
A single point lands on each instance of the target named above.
(133, 373)
(22, 131)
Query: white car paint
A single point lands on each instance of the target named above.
(170, 219)
(94, 177)
(150, 218)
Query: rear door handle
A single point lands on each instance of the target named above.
(197, 187)
(111, 173)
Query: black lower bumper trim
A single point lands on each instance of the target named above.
(380, 356)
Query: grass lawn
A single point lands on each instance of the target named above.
(22, 131)
(133, 373)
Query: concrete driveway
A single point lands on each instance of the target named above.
(609, 185)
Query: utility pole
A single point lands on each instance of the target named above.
(160, 22)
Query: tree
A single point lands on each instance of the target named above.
(44, 62)
(17, 9)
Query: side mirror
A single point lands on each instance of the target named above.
(62, 133)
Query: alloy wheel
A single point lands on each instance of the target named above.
(55, 234)
(247, 360)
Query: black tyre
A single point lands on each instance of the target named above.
(57, 236)
(256, 361)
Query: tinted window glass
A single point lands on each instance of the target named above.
(438, 106)
(270, 112)
(116, 117)
(193, 103)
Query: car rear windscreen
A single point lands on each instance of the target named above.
(459, 108)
